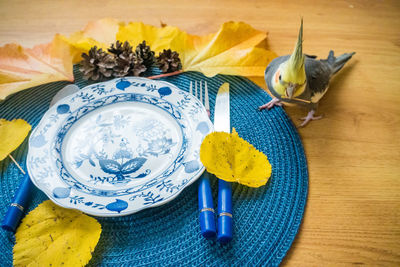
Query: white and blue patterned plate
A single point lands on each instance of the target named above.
(117, 147)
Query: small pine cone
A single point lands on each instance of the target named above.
(169, 61)
(144, 52)
(123, 65)
(138, 66)
(128, 63)
(118, 48)
(97, 64)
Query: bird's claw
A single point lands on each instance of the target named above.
(310, 117)
(271, 104)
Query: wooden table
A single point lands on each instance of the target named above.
(353, 209)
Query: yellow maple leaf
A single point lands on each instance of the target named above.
(53, 236)
(232, 50)
(21, 68)
(12, 134)
(233, 159)
(167, 37)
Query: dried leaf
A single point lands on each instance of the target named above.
(21, 68)
(53, 236)
(233, 159)
(12, 134)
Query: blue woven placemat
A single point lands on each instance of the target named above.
(267, 219)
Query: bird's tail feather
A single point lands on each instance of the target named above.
(337, 63)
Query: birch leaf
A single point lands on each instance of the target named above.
(233, 159)
(53, 236)
(12, 134)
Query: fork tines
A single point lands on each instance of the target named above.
(198, 93)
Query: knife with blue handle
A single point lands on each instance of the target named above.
(21, 198)
(222, 124)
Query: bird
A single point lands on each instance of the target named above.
(301, 79)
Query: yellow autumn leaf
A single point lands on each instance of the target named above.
(53, 236)
(167, 37)
(232, 50)
(21, 68)
(233, 159)
(12, 134)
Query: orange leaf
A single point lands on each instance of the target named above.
(21, 68)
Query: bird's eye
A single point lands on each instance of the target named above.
(280, 77)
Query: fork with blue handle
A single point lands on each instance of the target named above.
(206, 205)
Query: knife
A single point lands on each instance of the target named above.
(222, 124)
(22, 195)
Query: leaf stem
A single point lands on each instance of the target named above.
(165, 75)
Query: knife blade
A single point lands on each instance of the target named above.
(222, 110)
(222, 124)
(20, 201)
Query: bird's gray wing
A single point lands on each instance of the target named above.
(318, 75)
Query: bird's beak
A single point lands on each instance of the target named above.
(290, 90)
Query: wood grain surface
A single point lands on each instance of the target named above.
(353, 210)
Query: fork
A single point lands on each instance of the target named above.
(206, 205)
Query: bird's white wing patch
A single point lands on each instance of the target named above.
(318, 95)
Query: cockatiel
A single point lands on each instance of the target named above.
(301, 79)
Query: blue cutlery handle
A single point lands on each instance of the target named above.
(225, 221)
(20, 202)
(206, 207)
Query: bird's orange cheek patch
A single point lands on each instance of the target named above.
(277, 76)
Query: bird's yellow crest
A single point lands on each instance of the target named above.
(296, 60)
(293, 71)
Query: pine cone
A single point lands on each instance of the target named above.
(144, 52)
(120, 48)
(128, 62)
(97, 64)
(138, 67)
(168, 61)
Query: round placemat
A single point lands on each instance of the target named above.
(266, 219)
